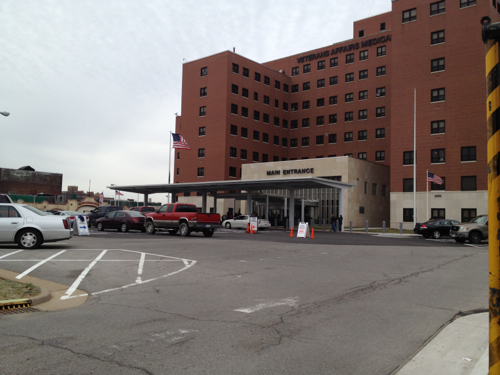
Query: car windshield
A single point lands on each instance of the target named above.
(36, 211)
(480, 219)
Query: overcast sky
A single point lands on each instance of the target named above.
(93, 86)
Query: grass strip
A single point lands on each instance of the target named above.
(15, 290)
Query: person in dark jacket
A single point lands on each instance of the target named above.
(333, 219)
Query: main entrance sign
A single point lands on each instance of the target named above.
(286, 172)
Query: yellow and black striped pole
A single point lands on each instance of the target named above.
(491, 38)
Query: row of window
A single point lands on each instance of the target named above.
(440, 214)
(438, 155)
(435, 8)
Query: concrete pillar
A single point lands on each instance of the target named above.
(215, 202)
(267, 207)
(341, 206)
(291, 209)
(146, 198)
(285, 208)
(204, 201)
(234, 208)
(249, 202)
(302, 210)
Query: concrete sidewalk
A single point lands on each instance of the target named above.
(459, 348)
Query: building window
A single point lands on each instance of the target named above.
(276, 103)
(362, 155)
(236, 68)
(362, 135)
(277, 85)
(408, 214)
(256, 135)
(381, 51)
(437, 127)
(244, 112)
(285, 87)
(438, 7)
(203, 92)
(244, 92)
(256, 96)
(384, 190)
(363, 74)
(294, 124)
(349, 77)
(438, 213)
(381, 71)
(234, 89)
(265, 137)
(380, 92)
(467, 3)
(334, 80)
(361, 209)
(294, 107)
(468, 214)
(380, 156)
(305, 104)
(306, 86)
(265, 158)
(320, 139)
(380, 133)
(201, 152)
(380, 112)
(348, 116)
(361, 33)
(257, 77)
(435, 186)
(332, 138)
(276, 140)
(437, 37)
(234, 109)
(284, 142)
(408, 158)
(362, 114)
(469, 183)
(246, 72)
(305, 141)
(349, 97)
(438, 155)
(363, 55)
(374, 189)
(407, 185)
(469, 153)
(285, 106)
(255, 156)
(410, 15)
(295, 89)
(306, 68)
(256, 115)
(334, 61)
(437, 65)
(243, 154)
(321, 83)
(204, 71)
(201, 172)
(320, 120)
(350, 156)
(349, 58)
(232, 171)
(203, 111)
(234, 130)
(295, 71)
(201, 131)
(320, 102)
(321, 65)
(232, 152)
(293, 142)
(178, 155)
(348, 137)
(266, 99)
(363, 95)
(382, 26)
(178, 171)
(285, 124)
(437, 95)
(267, 81)
(332, 119)
(305, 122)
(332, 100)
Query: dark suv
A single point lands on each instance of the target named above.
(101, 212)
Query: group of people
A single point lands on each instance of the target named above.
(333, 221)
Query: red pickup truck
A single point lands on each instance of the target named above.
(183, 218)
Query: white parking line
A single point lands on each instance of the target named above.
(38, 265)
(80, 278)
(141, 267)
(6, 255)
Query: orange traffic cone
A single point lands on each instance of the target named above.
(251, 230)
(312, 233)
(248, 228)
(291, 232)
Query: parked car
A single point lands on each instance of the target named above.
(475, 231)
(241, 222)
(435, 228)
(122, 221)
(143, 209)
(102, 211)
(30, 227)
(4, 198)
(72, 215)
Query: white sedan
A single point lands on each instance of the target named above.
(241, 222)
(72, 215)
(30, 227)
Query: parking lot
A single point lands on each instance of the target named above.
(240, 303)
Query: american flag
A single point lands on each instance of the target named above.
(180, 142)
(434, 178)
(118, 193)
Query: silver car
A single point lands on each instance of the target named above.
(30, 227)
(241, 222)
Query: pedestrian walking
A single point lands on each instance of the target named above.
(341, 219)
(333, 219)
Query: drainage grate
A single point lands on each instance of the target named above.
(19, 310)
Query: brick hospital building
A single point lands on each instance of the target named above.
(354, 99)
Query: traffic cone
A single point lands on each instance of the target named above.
(251, 230)
(312, 233)
(248, 228)
(291, 232)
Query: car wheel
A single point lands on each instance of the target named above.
(100, 227)
(460, 240)
(208, 233)
(436, 234)
(123, 228)
(184, 230)
(475, 237)
(172, 231)
(29, 239)
(150, 228)
(228, 225)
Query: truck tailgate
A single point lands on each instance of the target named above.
(208, 218)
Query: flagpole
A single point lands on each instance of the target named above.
(414, 157)
(427, 188)
(169, 157)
